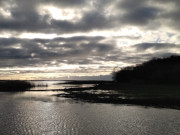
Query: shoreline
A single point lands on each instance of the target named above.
(155, 95)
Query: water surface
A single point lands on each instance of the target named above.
(37, 113)
(55, 85)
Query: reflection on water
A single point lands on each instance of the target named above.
(55, 85)
(48, 85)
(40, 113)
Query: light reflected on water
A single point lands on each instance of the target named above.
(55, 85)
(48, 85)
(37, 113)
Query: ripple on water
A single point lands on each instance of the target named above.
(34, 117)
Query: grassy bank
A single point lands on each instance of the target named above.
(14, 85)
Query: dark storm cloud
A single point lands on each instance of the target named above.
(68, 3)
(140, 16)
(155, 46)
(90, 21)
(25, 15)
(71, 39)
(14, 54)
(150, 13)
(174, 2)
(139, 13)
(139, 53)
(76, 50)
(85, 50)
(35, 3)
(80, 38)
(27, 52)
(4, 42)
(147, 51)
(130, 4)
(172, 19)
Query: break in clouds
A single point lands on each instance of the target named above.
(84, 38)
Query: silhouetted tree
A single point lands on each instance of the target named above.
(157, 70)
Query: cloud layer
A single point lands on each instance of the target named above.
(89, 36)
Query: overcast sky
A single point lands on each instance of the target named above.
(84, 39)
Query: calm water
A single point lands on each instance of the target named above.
(54, 85)
(38, 113)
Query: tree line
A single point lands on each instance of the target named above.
(157, 70)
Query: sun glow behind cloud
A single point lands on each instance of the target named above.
(56, 39)
(61, 14)
(5, 13)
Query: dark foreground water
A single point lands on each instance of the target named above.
(38, 113)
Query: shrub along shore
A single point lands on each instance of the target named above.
(14, 85)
